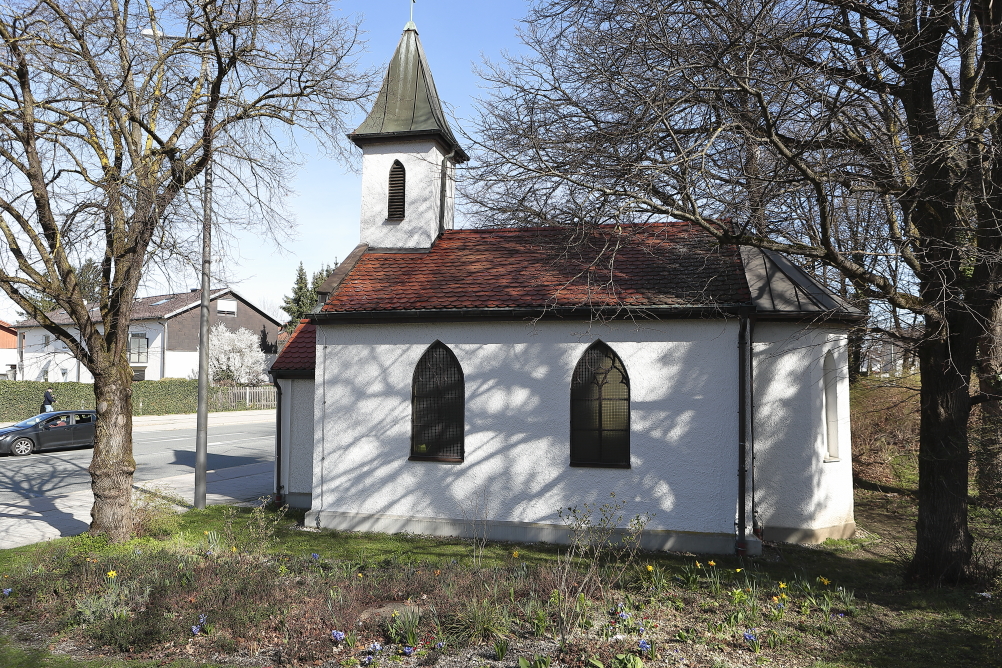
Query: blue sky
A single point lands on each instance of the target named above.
(326, 204)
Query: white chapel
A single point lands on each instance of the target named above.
(454, 380)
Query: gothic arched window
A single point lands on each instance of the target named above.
(600, 409)
(438, 397)
(395, 199)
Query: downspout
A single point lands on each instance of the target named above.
(163, 351)
(279, 497)
(757, 527)
(741, 546)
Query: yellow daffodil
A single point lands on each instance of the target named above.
(650, 568)
(515, 554)
(359, 575)
(699, 565)
(112, 574)
(738, 570)
(783, 596)
(825, 581)
(712, 563)
(782, 585)
(775, 599)
(233, 549)
(206, 533)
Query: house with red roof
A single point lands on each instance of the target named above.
(8, 351)
(477, 381)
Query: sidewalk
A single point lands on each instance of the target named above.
(34, 520)
(187, 420)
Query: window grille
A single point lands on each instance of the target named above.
(138, 349)
(438, 396)
(600, 410)
(395, 201)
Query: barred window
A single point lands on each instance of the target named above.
(600, 410)
(438, 396)
(395, 201)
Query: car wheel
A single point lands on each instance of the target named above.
(21, 447)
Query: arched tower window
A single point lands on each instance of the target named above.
(438, 397)
(600, 409)
(395, 199)
(831, 405)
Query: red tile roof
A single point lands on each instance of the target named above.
(675, 264)
(6, 325)
(300, 352)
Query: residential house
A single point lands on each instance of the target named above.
(163, 337)
(8, 351)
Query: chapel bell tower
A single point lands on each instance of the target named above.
(409, 156)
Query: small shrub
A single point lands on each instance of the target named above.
(155, 513)
(402, 627)
(478, 620)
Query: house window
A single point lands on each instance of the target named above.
(46, 340)
(226, 307)
(138, 348)
(438, 395)
(831, 406)
(600, 410)
(395, 201)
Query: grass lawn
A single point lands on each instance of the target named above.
(252, 587)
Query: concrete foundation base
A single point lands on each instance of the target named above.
(809, 536)
(519, 532)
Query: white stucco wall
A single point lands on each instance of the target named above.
(800, 494)
(296, 476)
(422, 161)
(683, 377)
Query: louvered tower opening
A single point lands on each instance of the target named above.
(395, 201)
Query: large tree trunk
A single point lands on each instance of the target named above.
(943, 543)
(112, 466)
(988, 443)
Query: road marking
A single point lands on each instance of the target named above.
(183, 438)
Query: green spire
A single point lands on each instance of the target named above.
(408, 104)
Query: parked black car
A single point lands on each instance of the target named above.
(49, 430)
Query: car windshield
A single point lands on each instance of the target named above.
(31, 421)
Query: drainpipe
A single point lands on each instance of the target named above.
(279, 496)
(757, 527)
(741, 546)
(163, 350)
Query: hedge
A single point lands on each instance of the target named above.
(20, 399)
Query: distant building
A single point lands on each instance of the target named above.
(8, 351)
(163, 337)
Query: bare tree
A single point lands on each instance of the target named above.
(860, 137)
(110, 111)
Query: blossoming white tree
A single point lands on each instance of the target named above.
(235, 357)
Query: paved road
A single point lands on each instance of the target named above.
(159, 454)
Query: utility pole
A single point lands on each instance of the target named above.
(202, 421)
